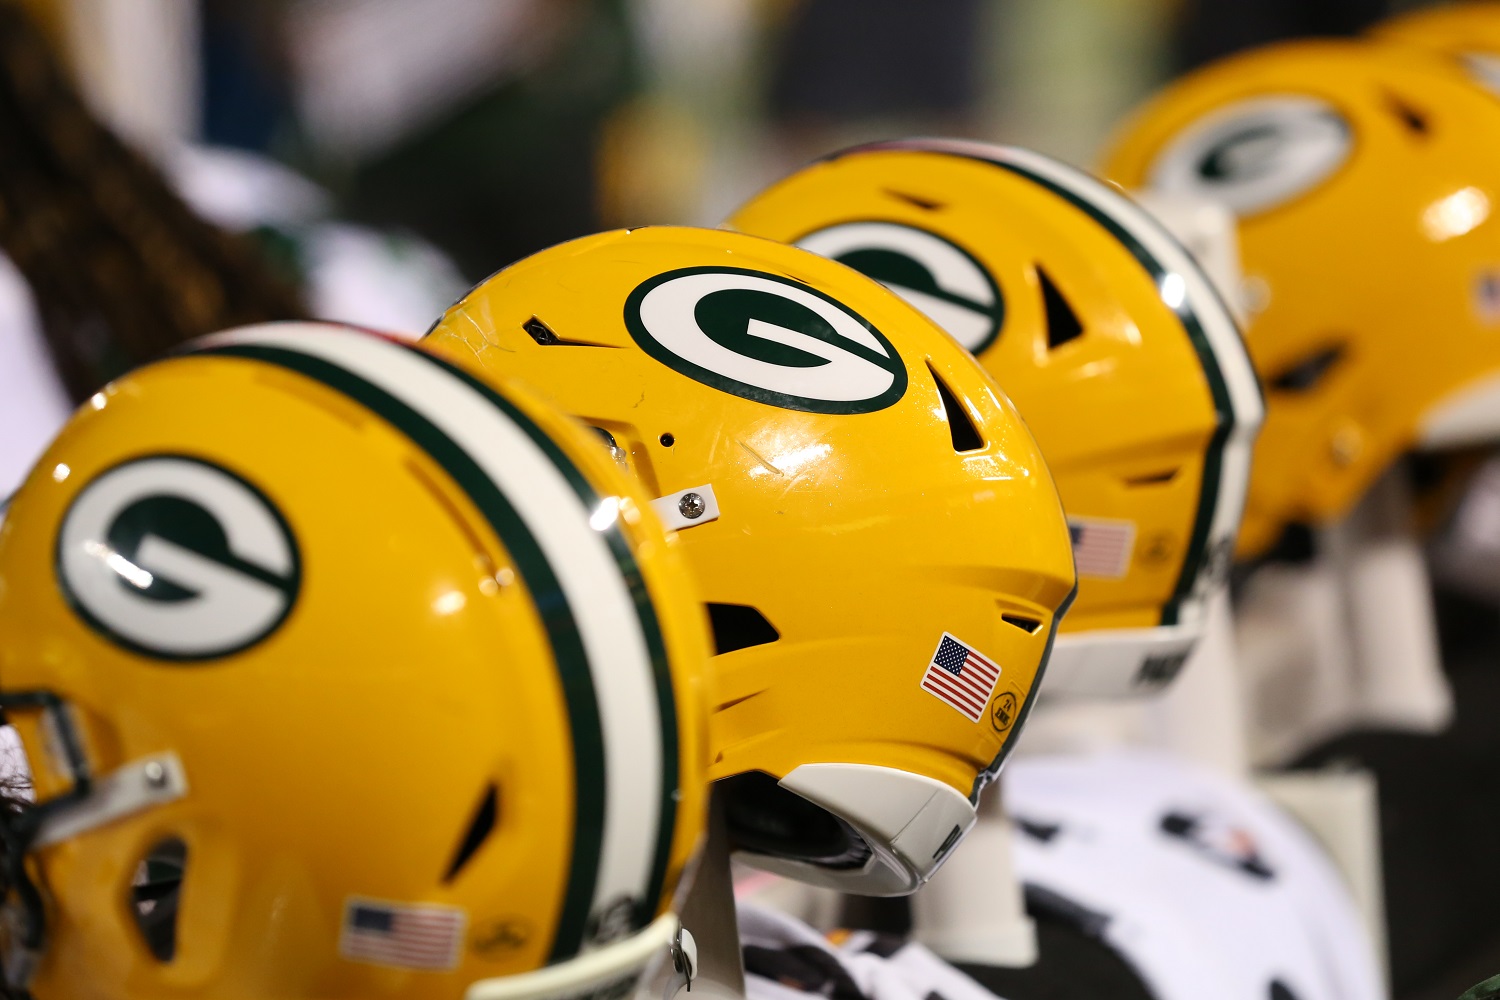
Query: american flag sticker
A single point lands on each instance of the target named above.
(1101, 548)
(403, 935)
(1487, 296)
(960, 676)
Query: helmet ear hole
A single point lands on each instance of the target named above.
(1027, 625)
(765, 818)
(155, 893)
(739, 626)
(480, 827)
(1308, 373)
(1063, 324)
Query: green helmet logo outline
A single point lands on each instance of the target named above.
(177, 558)
(941, 279)
(765, 338)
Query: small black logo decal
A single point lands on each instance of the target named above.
(1159, 670)
(1003, 711)
(615, 920)
(1220, 842)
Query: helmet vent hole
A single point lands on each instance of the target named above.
(739, 626)
(1309, 373)
(541, 332)
(1152, 478)
(1062, 321)
(543, 335)
(480, 827)
(155, 894)
(960, 427)
(615, 451)
(1027, 625)
(1412, 119)
(926, 204)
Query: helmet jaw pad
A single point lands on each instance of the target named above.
(908, 821)
(1469, 416)
(1118, 663)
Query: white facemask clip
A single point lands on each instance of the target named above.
(687, 508)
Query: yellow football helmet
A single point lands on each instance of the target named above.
(1466, 32)
(342, 674)
(1363, 177)
(1110, 340)
(880, 544)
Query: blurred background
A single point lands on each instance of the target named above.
(492, 128)
(368, 160)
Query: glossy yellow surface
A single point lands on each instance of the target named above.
(1455, 29)
(345, 754)
(860, 537)
(1122, 413)
(1374, 257)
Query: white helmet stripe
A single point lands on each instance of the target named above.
(616, 648)
(1195, 296)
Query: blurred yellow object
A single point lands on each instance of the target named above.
(849, 488)
(344, 675)
(1113, 344)
(53, 18)
(652, 159)
(1466, 32)
(1363, 176)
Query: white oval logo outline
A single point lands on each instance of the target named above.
(1256, 154)
(860, 373)
(1483, 68)
(970, 305)
(228, 608)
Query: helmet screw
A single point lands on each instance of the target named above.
(1346, 444)
(156, 775)
(691, 506)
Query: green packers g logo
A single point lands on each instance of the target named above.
(178, 559)
(765, 338)
(938, 277)
(1256, 154)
